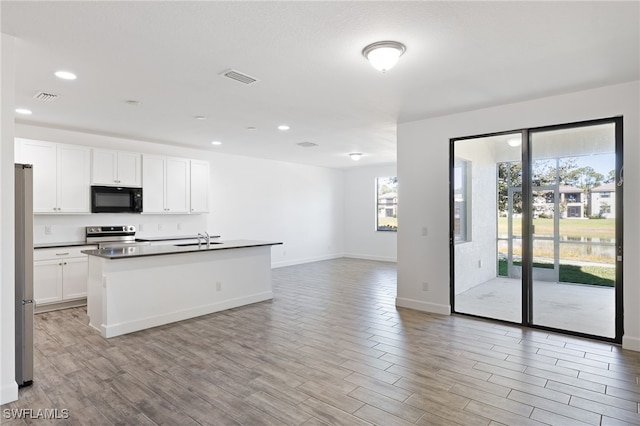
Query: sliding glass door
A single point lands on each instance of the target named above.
(573, 228)
(537, 226)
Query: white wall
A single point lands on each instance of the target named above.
(250, 198)
(423, 170)
(475, 259)
(8, 386)
(361, 238)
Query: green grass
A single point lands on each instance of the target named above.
(574, 228)
(592, 275)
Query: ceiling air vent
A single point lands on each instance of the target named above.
(45, 97)
(307, 144)
(238, 76)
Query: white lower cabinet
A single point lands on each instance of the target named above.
(59, 276)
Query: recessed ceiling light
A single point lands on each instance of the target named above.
(355, 156)
(283, 127)
(23, 111)
(216, 143)
(65, 75)
(251, 128)
(200, 117)
(132, 102)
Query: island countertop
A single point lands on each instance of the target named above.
(144, 251)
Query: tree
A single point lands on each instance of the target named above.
(611, 177)
(509, 175)
(585, 178)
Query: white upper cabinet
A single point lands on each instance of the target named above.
(177, 185)
(166, 184)
(153, 184)
(116, 168)
(61, 176)
(199, 186)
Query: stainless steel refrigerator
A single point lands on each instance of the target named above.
(24, 273)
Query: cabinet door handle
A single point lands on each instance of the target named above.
(64, 263)
(62, 254)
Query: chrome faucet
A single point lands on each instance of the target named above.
(206, 237)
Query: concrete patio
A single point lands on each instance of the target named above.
(573, 307)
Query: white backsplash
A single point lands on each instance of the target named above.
(71, 228)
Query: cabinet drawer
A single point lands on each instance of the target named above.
(61, 252)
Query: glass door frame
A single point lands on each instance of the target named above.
(527, 224)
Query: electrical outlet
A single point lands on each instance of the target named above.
(160, 227)
(48, 230)
(424, 231)
(140, 227)
(479, 263)
(179, 227)
(218, 286)
(425, 286)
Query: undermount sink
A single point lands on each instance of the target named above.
(195, 244)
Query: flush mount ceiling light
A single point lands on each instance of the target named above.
(383, 55)
(23, 111)
(355, 156)
(200, 117)
(514, 142)
(283, 127)
(65, 75)
(216, 143)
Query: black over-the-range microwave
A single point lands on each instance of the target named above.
(116, 199)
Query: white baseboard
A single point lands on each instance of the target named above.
(369, 257)
(149, 322)
(305, 260)
(9, 393)
(329, 257)
(419, 305)
(631, 343)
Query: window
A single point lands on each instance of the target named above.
(387, 203)
(461, 200)
(573, 198)
(605, 195)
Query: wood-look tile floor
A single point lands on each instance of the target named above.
(330, 348)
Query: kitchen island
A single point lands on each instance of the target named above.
(135, 288)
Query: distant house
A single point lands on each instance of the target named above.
(388, 205)
(603, 200)
(571, 202)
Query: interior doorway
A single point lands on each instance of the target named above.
(537, 226)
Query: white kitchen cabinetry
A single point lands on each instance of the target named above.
(61, 176)
(165, 184)
(116, 168)
(199, 186)
(60, 277)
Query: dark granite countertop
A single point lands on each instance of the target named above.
(144, 251)
(180, 237)
(67, 244)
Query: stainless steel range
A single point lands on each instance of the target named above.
(113, 236)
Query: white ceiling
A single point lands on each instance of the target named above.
(307, 55)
